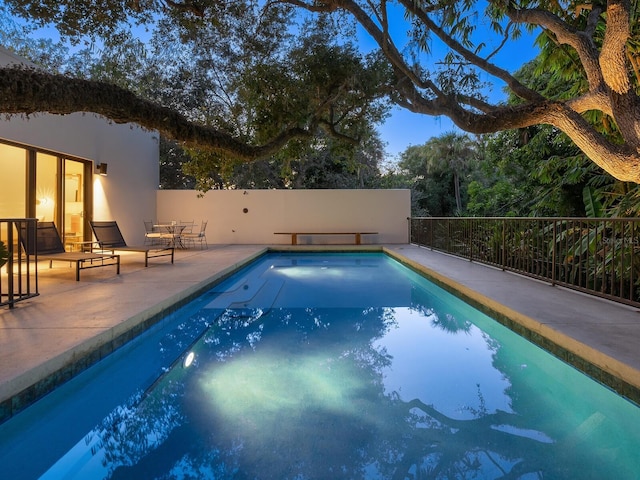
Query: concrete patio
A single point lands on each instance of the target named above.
(47, 339)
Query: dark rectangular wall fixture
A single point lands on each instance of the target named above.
(101, 169)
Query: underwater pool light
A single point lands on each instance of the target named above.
(188, 359)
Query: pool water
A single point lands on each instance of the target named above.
(326, 366)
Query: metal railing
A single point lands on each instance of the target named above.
(19, 273)
(600, 256)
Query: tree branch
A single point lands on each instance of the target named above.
(515, 86)
(317, 7)
(612, 57)
(565, 34)
(29, 91)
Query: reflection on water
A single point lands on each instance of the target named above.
(408, 385)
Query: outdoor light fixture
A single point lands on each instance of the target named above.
(188, 359)
(101, 169)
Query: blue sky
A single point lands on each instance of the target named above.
(405, 128)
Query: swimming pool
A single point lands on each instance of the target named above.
(326, 366)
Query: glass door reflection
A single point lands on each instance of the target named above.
(74, 202)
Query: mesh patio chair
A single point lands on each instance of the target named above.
(188, 225)
(151, 235)
(45, 244)
(109, 237)
(200, 237)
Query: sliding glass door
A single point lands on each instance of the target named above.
(47, 186)
(74, 202)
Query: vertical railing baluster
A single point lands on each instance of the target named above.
(605, 274)
(626, 246)
(553, 252)
(632, 256)
(21, 279)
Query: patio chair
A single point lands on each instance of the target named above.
(109, 237)
(47, 245)
(192, 238)
(151, 235)
(188, 225)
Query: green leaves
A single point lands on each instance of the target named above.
(76, 19)
(592, 205)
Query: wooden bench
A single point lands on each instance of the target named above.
(294, 235)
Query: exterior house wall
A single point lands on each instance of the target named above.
(128, 193)
(269, 211)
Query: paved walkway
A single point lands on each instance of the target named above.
(45, 339)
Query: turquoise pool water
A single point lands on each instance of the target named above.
(322, 366)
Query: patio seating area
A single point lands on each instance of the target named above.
(175, 234)
(47, 338)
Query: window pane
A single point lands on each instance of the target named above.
(13, 168)
(46, 181)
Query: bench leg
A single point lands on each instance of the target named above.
(357, 239)
(294, 239)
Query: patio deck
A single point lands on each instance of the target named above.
(47, 338)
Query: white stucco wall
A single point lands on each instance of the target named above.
(128, 193)
(269, 211)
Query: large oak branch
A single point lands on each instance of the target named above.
(29, 91)
(620, 160)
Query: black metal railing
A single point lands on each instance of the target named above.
(600, 256)
(18, 270)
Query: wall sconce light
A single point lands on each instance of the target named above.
(101, 169)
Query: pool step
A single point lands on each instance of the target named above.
(264, 298)
(257, 293)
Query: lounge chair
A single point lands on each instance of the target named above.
(109, 237)
(47, 245)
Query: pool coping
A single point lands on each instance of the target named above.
(37, 382)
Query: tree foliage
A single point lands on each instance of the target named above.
(442, 57)
(539, 171)
(230, 80)
(325, 164)
(439, 172)
(594, 41)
